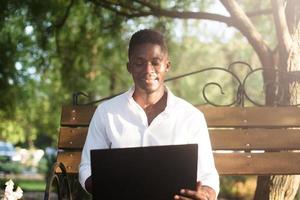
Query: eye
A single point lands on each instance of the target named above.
(139, 63)
(156, 62)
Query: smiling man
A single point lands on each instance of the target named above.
(148, 114)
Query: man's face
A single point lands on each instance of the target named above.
(148, 65)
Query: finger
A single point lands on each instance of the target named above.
(200, 194)
(178, 197)
(198, 185)
(189, 193)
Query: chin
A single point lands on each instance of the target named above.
(152, 89)
(149, 88)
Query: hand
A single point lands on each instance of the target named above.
(88, 184)
(201, 193)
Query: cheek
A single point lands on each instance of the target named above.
(136, 75)
(161, 75)
(162, 70)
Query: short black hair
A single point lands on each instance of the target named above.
(147, 36)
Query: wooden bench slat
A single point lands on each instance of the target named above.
(70, 159)
(258, 164)
(259, 139)
(251, 116)
(77, 115)
(255, 139)
(227, 164)
(72, 138)
(215, 116)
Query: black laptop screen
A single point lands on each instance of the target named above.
(156, 172)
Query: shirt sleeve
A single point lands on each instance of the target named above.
(206, 172)
(96, 139)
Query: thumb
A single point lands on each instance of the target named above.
(198, 185)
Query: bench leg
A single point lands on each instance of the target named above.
(62, 182)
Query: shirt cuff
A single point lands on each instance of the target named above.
(84, 173)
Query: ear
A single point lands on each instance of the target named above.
(128, 67)
(168, 66)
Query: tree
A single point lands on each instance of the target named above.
(285, 58)
(48, 50)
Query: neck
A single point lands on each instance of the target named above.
(146, 100)
(153, 104)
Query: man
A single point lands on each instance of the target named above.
(149, 114)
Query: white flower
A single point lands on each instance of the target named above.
(18, 193)
(9, 194)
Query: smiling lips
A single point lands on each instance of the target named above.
(150, 78)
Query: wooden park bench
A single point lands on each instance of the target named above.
(245, 141)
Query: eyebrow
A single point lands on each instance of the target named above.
(160, 58)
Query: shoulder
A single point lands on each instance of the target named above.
(116, 102)
(184, 108)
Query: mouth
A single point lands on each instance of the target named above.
(151, 79)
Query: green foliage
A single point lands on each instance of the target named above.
(46, 163)
(50, 49)
(10, 167)
(237, 187)
(227, 185)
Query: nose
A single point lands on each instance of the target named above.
(149, 67)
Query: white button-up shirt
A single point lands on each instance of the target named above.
(120, 122)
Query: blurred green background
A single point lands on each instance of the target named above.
(50, 49)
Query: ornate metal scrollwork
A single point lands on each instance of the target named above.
(240, 97)
(62, 183)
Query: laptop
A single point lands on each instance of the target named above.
(143, 173)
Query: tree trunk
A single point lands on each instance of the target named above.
(278, 187)
(283, 187)
(287, 22)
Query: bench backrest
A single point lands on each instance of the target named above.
(251, 140)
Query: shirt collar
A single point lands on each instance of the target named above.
(170, 101)
(170, 98)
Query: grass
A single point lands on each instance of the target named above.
(32, 185)
(27, 185)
